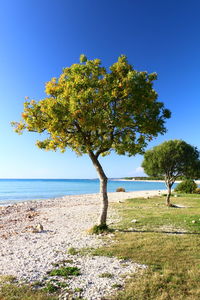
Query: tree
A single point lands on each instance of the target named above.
(172, 159)
(93, 111)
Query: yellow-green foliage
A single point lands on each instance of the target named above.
(90, 109)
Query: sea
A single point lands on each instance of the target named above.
(17, 190)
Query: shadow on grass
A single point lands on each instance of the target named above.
(156, 231)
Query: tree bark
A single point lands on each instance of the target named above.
(103, 188)
(169, 191)
(168, 203)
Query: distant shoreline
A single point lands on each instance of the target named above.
(143, 180)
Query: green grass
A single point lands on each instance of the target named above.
(100, 229)
(65, 272)
(167, 241)
(51, 288)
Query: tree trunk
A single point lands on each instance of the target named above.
(104, 198)
(169, 190)
(168, 203)
(103, 188)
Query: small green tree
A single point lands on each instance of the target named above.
(172, 159)
(93, 111)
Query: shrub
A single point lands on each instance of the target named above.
(187, 186)
(120, 189)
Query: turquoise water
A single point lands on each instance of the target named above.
(14, 190)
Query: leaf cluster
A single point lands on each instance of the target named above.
(91, 109)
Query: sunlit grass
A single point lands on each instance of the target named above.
(167, 240)
(14, 292)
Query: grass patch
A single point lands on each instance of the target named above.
(106, 275)
(79, 290)
(62, 262)
(117, 286)
(165, 285)
(65, 272)
(37, 284)
(14, 292)
(100, 229)
(72, 251)
(7, 279)
(39, 290)
(51, 288)
(166, 240)
(10, 289)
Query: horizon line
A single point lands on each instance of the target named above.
(57, 178)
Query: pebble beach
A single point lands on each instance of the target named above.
(37, 235)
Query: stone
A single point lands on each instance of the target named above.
(38, 228)
(134, 221)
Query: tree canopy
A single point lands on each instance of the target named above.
(93, 110)
(87, 108)
(172, 159)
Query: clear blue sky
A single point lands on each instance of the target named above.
(40, 37)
